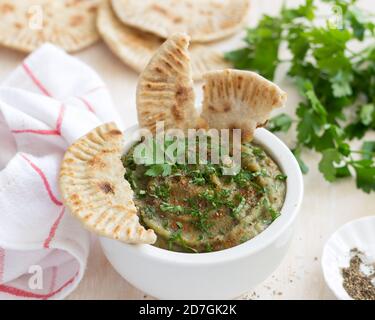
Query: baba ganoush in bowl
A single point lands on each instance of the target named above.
(230, 271)
(208, 227)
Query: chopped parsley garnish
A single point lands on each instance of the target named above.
(209, 247)
(281, 177)
(162, 191)
(237, 210)
(149, 211)
(259, 153)
(167, 207)
(199, 181)
(194, 207)
(216, 199)
(176, 237)
(179, 225)
(273, 213)
(243, 178)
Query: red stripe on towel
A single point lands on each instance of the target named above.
(40, 132)
(55, 132)
(53, 229)
(60, 119)
(53, 279)
(27, 294)
(87, 104)
(103, 87)
(35, 80)
(2, 260)
(45, 181)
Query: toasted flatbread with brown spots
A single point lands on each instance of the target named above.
(136, 47)
(94, 189)
(165, 88)
(202, 20)
(236, 99)
(27, 24)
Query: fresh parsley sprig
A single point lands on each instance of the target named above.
(334, 81)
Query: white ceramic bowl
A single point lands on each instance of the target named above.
(358, 234)
(223, 274)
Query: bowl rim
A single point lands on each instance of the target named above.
(288, 164)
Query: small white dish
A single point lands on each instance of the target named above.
(358, 234)
(223, 274)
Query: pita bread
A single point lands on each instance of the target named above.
(136, 48)
(236, 99)
(94, 189)
(27, 24)
(203, 20)
(165, 88)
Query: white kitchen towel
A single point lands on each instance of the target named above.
(49, 101)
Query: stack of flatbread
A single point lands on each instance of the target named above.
(27, 24)
(92, 175)
(135, 29)
(132, 29)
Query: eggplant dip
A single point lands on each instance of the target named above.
(188, 208)
(196, 208)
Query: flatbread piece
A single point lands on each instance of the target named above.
(136, 48)
(165, 88)
(27, 24)
(93, 187)
(235, 99)
(202, 20)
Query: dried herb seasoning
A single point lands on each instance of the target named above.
(359, 277)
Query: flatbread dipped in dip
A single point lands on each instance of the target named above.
(237, 99)
(190, 207)
(93, 187)
(165, 90)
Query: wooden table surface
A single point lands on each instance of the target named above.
(325, 207)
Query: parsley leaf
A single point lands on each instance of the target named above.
(263, 43)
(302, 165)
(368, 150)
(282, 123)
(367, 114)
(365, 175)
(331, 158)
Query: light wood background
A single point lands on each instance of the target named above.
(325, 207)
